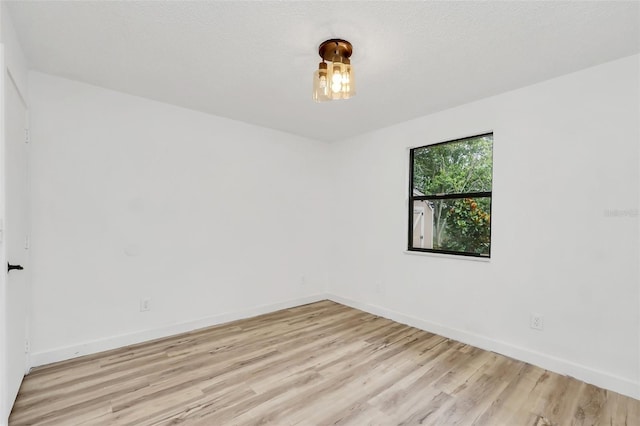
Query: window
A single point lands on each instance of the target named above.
(450, 197)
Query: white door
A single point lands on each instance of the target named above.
(418, 227)
(16, 300)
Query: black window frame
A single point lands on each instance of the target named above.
(429, 197)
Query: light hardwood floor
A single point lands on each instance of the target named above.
(318, 364)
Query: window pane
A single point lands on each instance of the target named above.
(458, 224)
(453, 167)
(422, 224)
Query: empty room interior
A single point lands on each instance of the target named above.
(320, 213)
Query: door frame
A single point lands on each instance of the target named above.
(4, 410)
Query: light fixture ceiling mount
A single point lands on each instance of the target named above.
(334, 77)
(335, 48)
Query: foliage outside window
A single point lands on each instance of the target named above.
(450, 197)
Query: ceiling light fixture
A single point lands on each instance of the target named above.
(334, 77)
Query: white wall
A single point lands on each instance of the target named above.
(565, 227)
(15, 61)
(210, 218)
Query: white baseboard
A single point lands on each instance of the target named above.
(548, 362)
(113, 342)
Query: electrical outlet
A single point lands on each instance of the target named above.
(27, 346)
(145, 305)
(537, 322)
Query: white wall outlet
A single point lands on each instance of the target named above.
(27, 346)
(303, 280)
(536, 322)
(145, 305)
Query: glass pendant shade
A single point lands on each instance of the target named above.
(337, 69)
(348, 82)
(321, 84)
(333, 79)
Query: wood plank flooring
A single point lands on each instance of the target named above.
(318, 364)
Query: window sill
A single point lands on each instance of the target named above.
(448, 256)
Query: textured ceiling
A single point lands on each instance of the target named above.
(253, 61)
